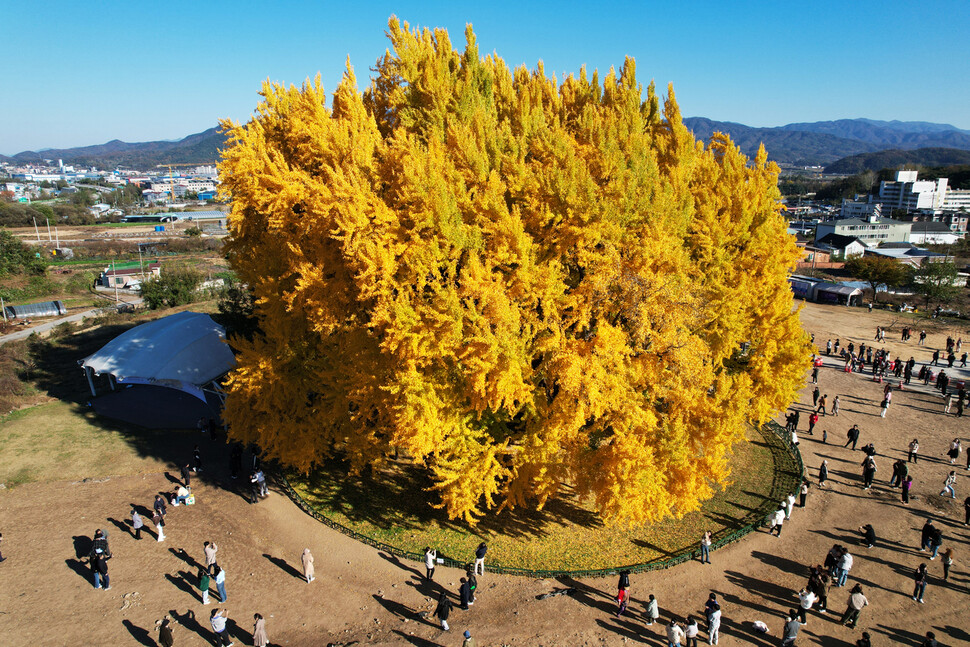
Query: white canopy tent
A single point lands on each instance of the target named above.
(184, 351)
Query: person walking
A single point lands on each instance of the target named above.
(443, 610)
(836, 403)
(926, 535)
(821, 404)
(919, 578)
(706, 540)
(868, 472)
(947, 563)
(623, 592)
(954, 452)
(777, 520)
(857, 602)
(790, 631)
(430, 561)
(197, 457)
(218, 619)
(652, 610)
(220, 574)
(884, 407)
(907, 486)
(913, 451)
(468, 641)
(136, 523)
(823, 473)
(935, 541)
(204, 585)
(209, 549)
(852, 436)
(185, 472)
(480, 557)
(254, 489)
(307, 559)
(949, 484)
(259, 631)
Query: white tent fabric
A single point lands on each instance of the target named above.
(183, 351)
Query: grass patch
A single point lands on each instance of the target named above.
(566, 535)
(59, 441)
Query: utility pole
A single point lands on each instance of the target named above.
(37, 231)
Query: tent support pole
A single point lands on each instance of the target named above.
(87, 373)
(111, 381)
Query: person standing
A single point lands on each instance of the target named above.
(966, 512)
(653, 610)
(164, 627)
(159, 521)
(468, 641)
(802, 493)
(805, 601)
(713, 624)
(919, 578)
(464, 595)
(815, 396)
(218, 619)
(480, 557)
(789, 505)
(925, 535)
(947, 563)
(307, 559)
(845, 565)
(185, 472)
(706, 547)
(790, 631)
(209, 549)
(443, 610)
(197, 457)
(836, 403)
(913, 451)
(99, 566)
(259, 631)
(254, 489)
(690, 631)
(907, 486)
(430, 561)
(3, 559)
(930, 640)
(159, 505)
(473, 585)
(884, 407)
(675, 634)
(812, 421)
(823, 473)
(220, 574)
(954, 452)
(857, 601)
(815, 375)
(136, 523)
(949, 484)
(204, 585)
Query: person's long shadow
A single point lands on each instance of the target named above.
(771, 592)
(898, 635)
(188, 621)
(587, 595)
(626, 630)
(284, 566)
(79, 567)
(233, 629)
(124, 526)
(415, 640)
(403, 611)
(190, 561)
(957, 633)
(182, 583)
(785, 565)
(746, 632)
(393, 559)
(143, 636)
(427, 588)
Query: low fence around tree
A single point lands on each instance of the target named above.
(788, 472)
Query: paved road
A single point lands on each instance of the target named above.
(49, 325)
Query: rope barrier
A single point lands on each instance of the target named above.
(788, 474)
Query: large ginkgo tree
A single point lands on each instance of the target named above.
(527, 285)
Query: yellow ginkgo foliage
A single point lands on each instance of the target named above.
(524, 284)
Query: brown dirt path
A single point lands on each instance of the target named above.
(46, 597)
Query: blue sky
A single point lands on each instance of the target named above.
(81, 73)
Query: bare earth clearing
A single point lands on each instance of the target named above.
(47, 598)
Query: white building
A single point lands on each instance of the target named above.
(907, 192)
(956, 200)
(863, 210)
(871, 231)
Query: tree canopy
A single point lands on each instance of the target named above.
(937, 281)
(876, 271)
(529, 286)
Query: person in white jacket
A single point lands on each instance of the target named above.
(777, 520)
(805, 601)
(675, 634)
(714, 625)
(430, 560)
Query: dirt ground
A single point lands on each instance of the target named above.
(362, 596)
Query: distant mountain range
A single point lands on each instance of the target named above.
(202, 148)
(817, 143)
(823, 142)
